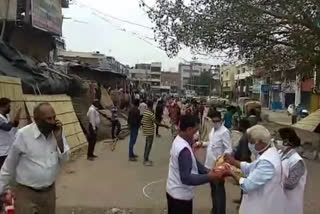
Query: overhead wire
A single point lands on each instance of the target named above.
(104, 17)
(113, 17)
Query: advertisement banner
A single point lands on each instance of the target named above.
(276, 87)
(46, 15)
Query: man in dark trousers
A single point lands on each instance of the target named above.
(94, 122)
(242, 151)
(159, 113)
(134, 124)
(115, 123)
(185, 172)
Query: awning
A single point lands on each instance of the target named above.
(309, 123)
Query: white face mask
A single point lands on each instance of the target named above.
(216, 126)
(252, 148)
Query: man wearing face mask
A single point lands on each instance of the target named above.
(219, 145)
(294, 170)
(8, 128)
(34, 161)
(185, 171)
(262, 187)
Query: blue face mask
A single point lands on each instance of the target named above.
(252, 148)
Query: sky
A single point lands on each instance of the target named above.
(92, 25)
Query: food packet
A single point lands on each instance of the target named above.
(220, 164)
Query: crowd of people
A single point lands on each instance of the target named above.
(272, 179)
(273, 176)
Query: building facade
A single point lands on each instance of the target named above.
(95, 60)
(146, 76)
(228, 80)
(243, 81)
(172, 80)
(191, 70)
(32, 26)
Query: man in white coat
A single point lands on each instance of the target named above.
(294, 171)
(219, 145)
(262, 187)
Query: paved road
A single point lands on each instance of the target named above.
(111, 181)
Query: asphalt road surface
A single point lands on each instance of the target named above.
(111, 181)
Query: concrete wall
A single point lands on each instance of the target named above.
(32, 42)
(107, 79)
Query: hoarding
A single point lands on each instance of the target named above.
(46, 15)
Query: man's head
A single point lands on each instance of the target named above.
(45, 118)
(96, 103)
(289, 137)
(259, 139)
(216, 119)
(5, 105)
(244, 124)
(150, 104)
(188, 126)
(136, 102)
(253, 112)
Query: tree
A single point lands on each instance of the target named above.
(273, 34)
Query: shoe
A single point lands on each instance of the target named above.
(94, 156)
(133, 159)
(135, 156)
(147, 163)
(90, 158)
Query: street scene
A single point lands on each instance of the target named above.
(159, 107)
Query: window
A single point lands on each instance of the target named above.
(227, 74)
(226, 84)
(243, 70)
(238, 71)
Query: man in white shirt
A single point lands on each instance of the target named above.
(94, 122)
(263, 185)
(143, 107)
(8, 128)
(219, 145)
(34, 161)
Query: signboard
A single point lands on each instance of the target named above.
(265, 89)
(8, 12)
(46, 15)
(276, 87)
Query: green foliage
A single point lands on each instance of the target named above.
(278, 35)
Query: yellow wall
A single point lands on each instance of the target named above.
(11, 88)
(315, 102)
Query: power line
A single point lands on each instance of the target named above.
(113, 17)
(135, 34)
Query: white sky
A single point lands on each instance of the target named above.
(88, 31)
